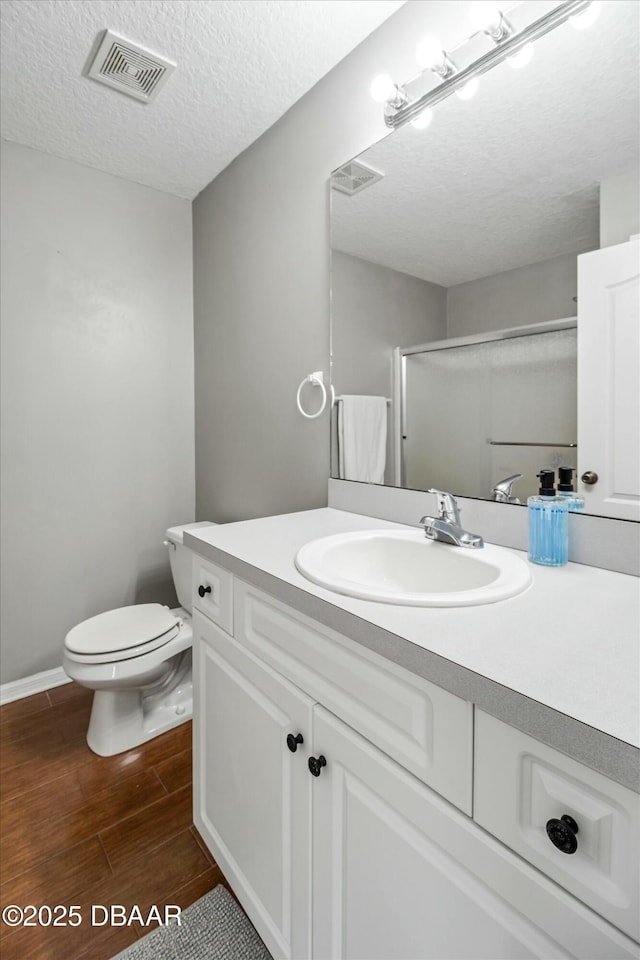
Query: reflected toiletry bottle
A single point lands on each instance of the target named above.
(565, 489)
(548, 524)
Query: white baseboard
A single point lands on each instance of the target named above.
(26, 687)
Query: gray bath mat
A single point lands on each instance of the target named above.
(212, 928)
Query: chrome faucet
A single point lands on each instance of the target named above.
(502, 490)
(446, 526)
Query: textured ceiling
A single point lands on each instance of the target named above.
(241, 65)
(510, 177)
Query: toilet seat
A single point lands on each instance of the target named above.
(122, 633)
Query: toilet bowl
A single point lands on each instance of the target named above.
(137, 660)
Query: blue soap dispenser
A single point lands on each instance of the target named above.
(566, 491)
(548, 524)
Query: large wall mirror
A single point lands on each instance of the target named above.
(454, 276)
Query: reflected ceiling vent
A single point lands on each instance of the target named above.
(354, 177)
(129, 68)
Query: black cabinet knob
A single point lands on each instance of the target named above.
(316, 764)
(562, 833)
(292, 742)
(202, 590)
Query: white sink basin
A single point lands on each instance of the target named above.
(398, 566)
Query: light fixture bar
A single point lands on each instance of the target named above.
(496, 55)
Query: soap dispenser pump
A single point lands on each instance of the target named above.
(548, 524)
(566, 491)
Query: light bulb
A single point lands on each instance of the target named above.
(586, 19)
(484, 15)
(522, 57)
(429, 53)
(422, 121)
(469, 90)
(382, 88)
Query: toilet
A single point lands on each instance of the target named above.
(137, 659)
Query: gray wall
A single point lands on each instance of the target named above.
(261, 293)
(531, 294)
(97, 397)
(373, 310)
(619, 208)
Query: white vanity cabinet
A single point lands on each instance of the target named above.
(344, 848)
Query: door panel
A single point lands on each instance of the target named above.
(252, 794)
(608, 377)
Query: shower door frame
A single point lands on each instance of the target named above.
(399, 368)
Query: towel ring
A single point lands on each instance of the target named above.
(317, 379)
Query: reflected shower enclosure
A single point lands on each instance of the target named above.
(475, 412)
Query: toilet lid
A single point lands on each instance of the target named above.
(122, 629)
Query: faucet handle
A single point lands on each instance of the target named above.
(502, 490)
(447, 506)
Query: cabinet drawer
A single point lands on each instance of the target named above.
(424, 728)
(521, 784)
(213, 592)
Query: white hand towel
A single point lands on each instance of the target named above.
(362, 438)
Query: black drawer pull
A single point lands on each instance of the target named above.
(292, 742)
(562, 833)
(316, 764)
(202, 590)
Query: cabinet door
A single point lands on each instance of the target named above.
(251, 793)
(400, 873)
(608, 376)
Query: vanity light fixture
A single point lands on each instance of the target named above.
(582, 21)
(516, 48)
(422, 121)
(488, 18)
(521, 59)
(469, 90)
(384, 90)
(431, 56)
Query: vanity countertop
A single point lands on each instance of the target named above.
(560, 661)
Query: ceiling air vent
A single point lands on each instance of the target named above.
(354, 177)
(129, 68)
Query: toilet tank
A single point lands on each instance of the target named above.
(180, 558)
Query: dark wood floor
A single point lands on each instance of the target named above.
(80, 829)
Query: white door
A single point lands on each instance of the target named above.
(400, 873)
(609, 380)
(251, 792)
